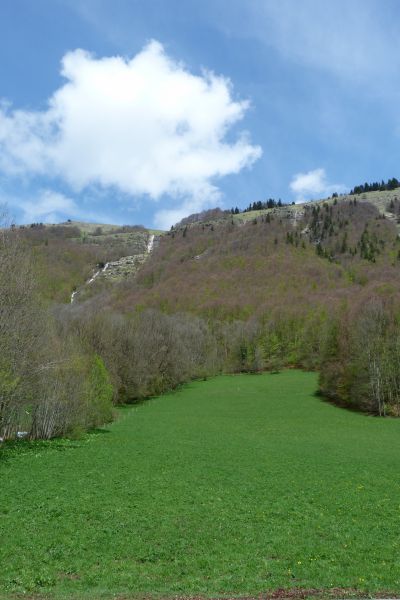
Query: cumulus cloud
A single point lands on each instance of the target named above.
(313, 184)
(146, 126)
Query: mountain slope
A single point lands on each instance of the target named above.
(69, 254)
(314, 286)
(295, 257)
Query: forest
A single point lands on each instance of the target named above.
(314, 287)
(390, 184)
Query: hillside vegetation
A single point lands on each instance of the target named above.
(67, 255)
(314, 286)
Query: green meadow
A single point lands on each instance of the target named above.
(232, 486)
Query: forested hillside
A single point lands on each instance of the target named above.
(313, 286)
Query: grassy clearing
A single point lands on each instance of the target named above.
(237, 485)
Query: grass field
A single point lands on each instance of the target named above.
(236, 485)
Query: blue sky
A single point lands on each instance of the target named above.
(143, 111)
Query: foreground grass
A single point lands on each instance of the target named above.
(237, 485)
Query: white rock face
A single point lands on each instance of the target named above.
(117, 269)
(150, 244)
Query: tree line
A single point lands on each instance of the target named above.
(390, 184)
(259, 205)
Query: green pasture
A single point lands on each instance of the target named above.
(233, 486)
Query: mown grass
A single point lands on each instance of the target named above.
(236, 485)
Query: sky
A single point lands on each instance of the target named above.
(145, 111)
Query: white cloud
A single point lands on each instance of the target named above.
(340, 36)
(313, 184)
(47, 207)
(204, 198)
(354, 39)
(146, 126)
